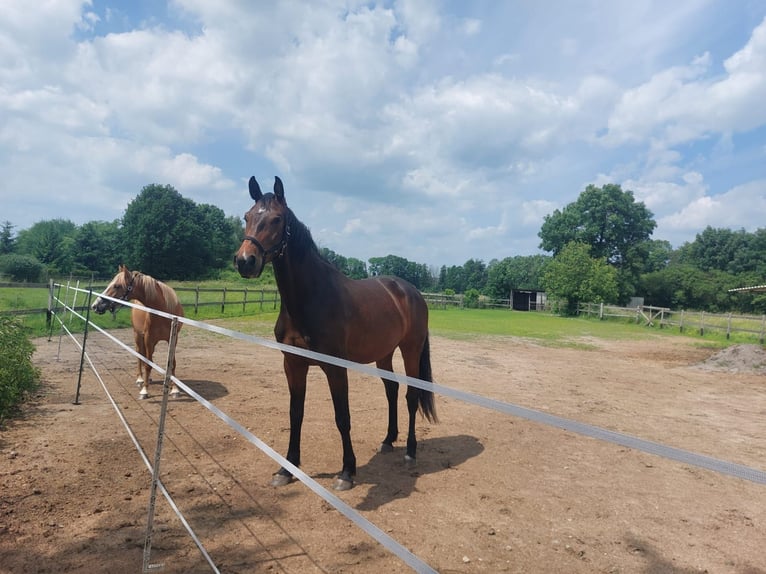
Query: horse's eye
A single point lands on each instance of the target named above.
(246, 218)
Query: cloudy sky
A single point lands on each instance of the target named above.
(437, 131)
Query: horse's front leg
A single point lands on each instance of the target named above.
(296, 370)
(338, 379)
(142, 378)
(174, 391)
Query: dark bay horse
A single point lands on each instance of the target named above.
(148, 329)
(325, 311)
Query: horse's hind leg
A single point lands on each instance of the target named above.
(411, 360)
(392, 395)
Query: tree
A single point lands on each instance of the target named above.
(574, 277)
(519, 272)
(224, 234)
(611, 222)
(724, 250)
(7, 240)
(658, 255)
(51, 242)
(416, 273)
(97, 249)
(170, 237)
(349, 266)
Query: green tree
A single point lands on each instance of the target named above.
(658, 255)
(349, 266)
(574, 277)
(97, 249)
(7, 240)
(224, 234)
(611, 222)
(170, 237)
(51, 242)
(519, 272)
(416, 273)
(684, 286)
(726, 250)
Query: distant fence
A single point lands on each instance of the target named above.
(190, 297)
(243, 297)
(700, 322)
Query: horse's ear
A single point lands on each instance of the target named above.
(255, 189)
(279, 189)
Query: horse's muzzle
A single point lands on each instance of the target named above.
(101, 306)
(249, 267)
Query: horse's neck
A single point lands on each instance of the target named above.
(149, 295)
(303, 282)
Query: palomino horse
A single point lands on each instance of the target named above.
(325, 311)
(148, 329)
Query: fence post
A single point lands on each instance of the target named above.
(763, 328)
(49, 312)
(262, 294)
(728, 327)
(681, 323)
(223, 302)
(702, 323)
(244, 301)
(601, 311)
(158, 451)
(82, 352)
(196, 299)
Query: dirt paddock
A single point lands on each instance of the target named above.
(489, 493)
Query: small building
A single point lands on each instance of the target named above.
(527, 300)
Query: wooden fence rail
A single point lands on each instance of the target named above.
(699, 321)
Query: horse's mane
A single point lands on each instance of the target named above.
(301, 244)
(155, 289)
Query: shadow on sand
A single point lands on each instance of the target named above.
(391, 478)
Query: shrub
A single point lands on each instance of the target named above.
(471, 298)
(17, 374)
(21, 267)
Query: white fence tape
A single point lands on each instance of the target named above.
(679, 455)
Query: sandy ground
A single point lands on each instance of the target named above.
(490, 492)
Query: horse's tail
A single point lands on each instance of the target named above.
(426, 398)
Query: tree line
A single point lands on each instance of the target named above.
(600, 249)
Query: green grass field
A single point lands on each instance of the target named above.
(452, 322)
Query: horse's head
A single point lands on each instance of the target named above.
(267, 230)
(119, 288)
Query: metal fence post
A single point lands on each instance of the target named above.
(158, 451)
(82, 353)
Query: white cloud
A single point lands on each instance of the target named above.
(418, 128)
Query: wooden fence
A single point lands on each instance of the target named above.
(700, 322)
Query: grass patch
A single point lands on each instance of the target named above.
(553, 330)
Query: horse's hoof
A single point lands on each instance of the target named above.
(175, 394)
(409, 460)
(384, 448)
(139, 382)
(342, 484)
(143, 396)
(280, 479)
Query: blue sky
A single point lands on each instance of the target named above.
(437, 131)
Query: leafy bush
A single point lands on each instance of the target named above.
(471, 298)
(17, 374)
(21, 267)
